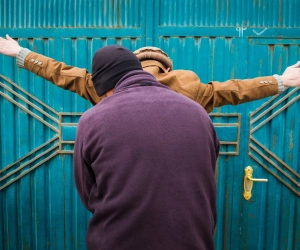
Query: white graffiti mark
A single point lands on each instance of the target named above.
(259, 33)
(241, 31)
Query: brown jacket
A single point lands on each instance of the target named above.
(213, 94)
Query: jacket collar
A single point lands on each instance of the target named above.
(151, 63)
(137, 78)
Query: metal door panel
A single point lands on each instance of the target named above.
(272, 212)
(216, 39)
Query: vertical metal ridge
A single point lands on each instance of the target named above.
(163, 13)
(129, 11)
(181, 15)
(75, 22)
(122, 13)
(297, 17)
(202, 69)
(196, 11)
(112, 18)
(107, 13)
(203, 19)
(258, 14)
(220, 13)
(115, 7)
(78, 13)
(93, 14)
(83, 13)
(227, 22)
(14, 9)
(240, 5)
(215, 14)
(48, 14)
(22, 16)
(54, 13)
(277, 14)
(210, 14)
(45, 14)
(211, 49)
(104, 11)
(89, 19)
(62, 17)
(2, 14)
(170, 14)
(29, 14)
(70, 13)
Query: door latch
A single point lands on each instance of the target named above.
(248, 182)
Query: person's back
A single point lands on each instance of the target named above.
(153, 153)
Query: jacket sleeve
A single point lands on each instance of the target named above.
(233, 92)
(83, 172)
(75, 79)
(213, 94)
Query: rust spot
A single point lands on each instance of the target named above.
(291, 144)
(290, 156)
(34, 47)
(25, 246)
(119, 14)
(280, 12)
(232, 74)
(293, 124)
(218, 109)
(274, 141)
(251, 215)
(279, 63)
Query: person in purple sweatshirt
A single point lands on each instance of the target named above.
(144, 162)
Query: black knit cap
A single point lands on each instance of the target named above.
(110, 64)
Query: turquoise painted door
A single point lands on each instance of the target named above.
(219, 40)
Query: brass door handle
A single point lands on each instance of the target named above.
(257, 180)
(248, 182)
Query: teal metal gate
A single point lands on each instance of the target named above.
(219, 40)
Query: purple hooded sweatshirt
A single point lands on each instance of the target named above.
(144, 164)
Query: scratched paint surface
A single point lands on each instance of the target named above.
(219, 40)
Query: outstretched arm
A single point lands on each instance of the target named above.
(210, 95)
(235, 92)
(217, 94)
(74, 79)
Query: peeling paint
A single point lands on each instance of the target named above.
(291, 144)
(274, 141)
